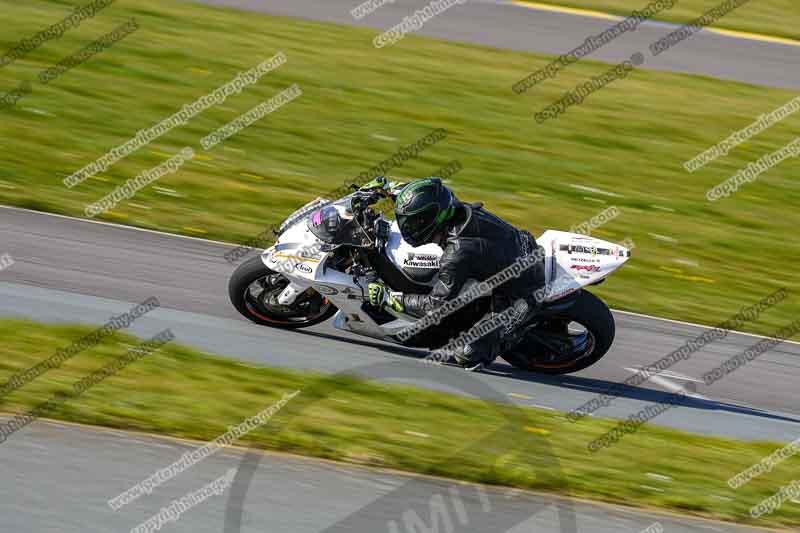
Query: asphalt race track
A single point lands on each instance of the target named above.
(69, 270)
(516, 27)
(63, 475)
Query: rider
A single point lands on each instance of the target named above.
(477, 245)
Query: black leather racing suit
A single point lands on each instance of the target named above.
(478, 246)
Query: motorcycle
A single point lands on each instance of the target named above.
(327, 252)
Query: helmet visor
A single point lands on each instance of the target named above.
(416, 228)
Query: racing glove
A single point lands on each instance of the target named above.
(381, 182)
(380, 296)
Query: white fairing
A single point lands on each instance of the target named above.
(298, 256)
(572, 261)
(404, 255)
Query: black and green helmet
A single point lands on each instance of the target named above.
(422, 208)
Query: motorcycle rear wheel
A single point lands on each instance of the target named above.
(586, 328)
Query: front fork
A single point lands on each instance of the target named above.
(290, 294)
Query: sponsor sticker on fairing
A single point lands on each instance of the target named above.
(421, 261)
(588, 268)
(302, 267)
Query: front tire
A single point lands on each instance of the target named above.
(253, 288)
(592, 315)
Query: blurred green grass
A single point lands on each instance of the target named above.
(776, 18)
(624, 146)
(184, 393)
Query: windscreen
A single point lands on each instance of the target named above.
(335, 224)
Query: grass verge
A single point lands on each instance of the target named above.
(625, 146)
(183, 393)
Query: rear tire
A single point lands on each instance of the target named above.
(592, 314)
(240, 291)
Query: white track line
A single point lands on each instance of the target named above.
(121, 226)
(680, 377)
(659, 379)
(640, 315)
(674, 387)
(233, 245)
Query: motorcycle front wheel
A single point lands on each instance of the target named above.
(571, 340)
(254, 289)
